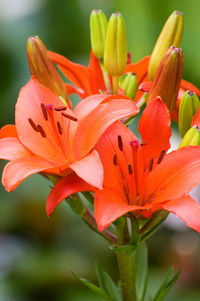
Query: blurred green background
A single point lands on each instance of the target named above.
(37, 254)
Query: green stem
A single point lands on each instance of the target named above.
(106, 78)
(125, 258)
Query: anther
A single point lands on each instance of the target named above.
(33, 125)
(115, 159)
(161, 156)
(69, 117)
(120, 143)
(60, 130)
(60, 108)
(150, 164)
(44, 111)
(130, 170)
(143, 143)
(41, 130)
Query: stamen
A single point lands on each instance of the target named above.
(60, 108)
(69, 117)
(143, 143)
(60, 130)
(33, 125)
(115, 159)
(150, 164)
(120, 143)
(41, 130)
(161, 156)
(130, 170)
(44, 111)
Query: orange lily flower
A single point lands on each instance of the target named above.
(142, 178)
(89, 80)
(51, 138)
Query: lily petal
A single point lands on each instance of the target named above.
(8, 130)
(176, 175)
(12, 149)
(89, 169)
(109, 205)
(76, 73)
(187, 209)
(154, 127)
(64, 188)
(95, 75)
(95, 123)
(18, 170)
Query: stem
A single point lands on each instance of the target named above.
(115, 82)
(106, 78)
(90, 220)
(125, 260)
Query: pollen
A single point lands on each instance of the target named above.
(69, 117)
(44, 111)
(120, 143)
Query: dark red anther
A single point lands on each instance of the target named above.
(60, 130)
(115, 159)
(41, 130)
(44, 111)
(128, 58)
(69, 117)
(60, 108)
(130, 169)
(120, 143)
(161, 156)
(150, 164)
(143, 143)
(33, 125)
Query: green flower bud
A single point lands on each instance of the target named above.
(170, 35)
(42, 67)
(192, 137)
(115, 54)
(188, 107)
(98, 28)
(128, 82)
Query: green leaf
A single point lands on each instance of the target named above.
(141, 270)
(93, 287)
(167, 284)
(108, 285)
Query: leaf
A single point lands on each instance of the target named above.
(167, 284)
(108, 285)
(141, 270)
(93, 287)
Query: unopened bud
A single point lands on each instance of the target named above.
(98, 28)
(128, 82)
(192, 137)
(170, 35)
(115, 54)
(42, 67)
(188, 107)
(167, 79)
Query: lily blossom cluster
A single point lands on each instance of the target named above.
(90, 148)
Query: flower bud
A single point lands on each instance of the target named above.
(192, 137)
(115, 54)
(98, 28)
(171, 34)
(167, 80)
(128, 82)
(42, 67)
(188, 107)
